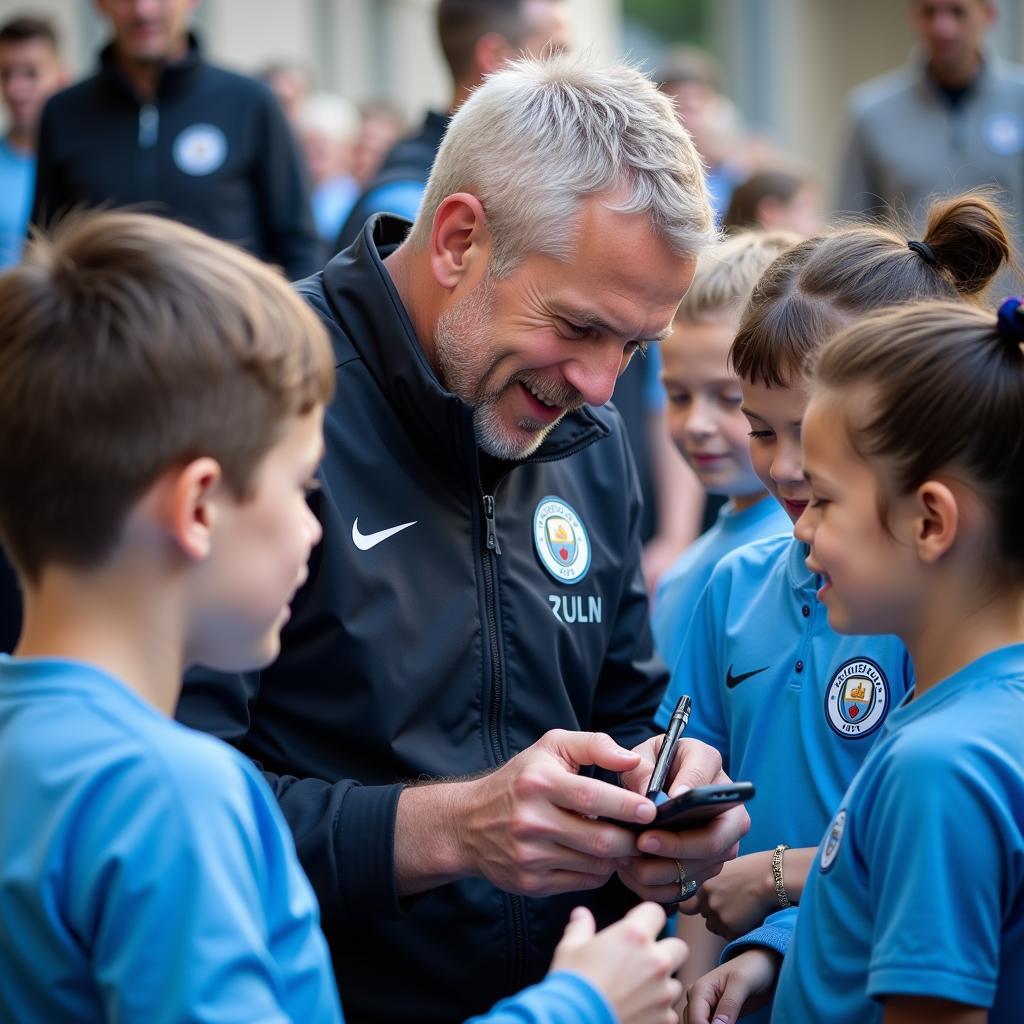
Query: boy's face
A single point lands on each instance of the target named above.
(30, 73)
(704, 401)
(775, 415)
(870, 572)
(260, 548)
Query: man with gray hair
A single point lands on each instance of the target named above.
(468, 673)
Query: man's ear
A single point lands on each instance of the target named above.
(937, 521)
(491, 53)
(190, 506)
(459, 241)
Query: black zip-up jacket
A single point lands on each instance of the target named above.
(434, 654)
(212, 149)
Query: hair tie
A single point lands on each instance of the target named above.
(925, 251)
(1010, 322)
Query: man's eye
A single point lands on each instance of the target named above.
(572, 330)
(639, 346)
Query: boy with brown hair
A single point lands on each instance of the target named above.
(161, 411)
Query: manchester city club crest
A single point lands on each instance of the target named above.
(561, 540)
(200, 149)
(857, 698)
(830, 848)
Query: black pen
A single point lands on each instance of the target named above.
(676, 725)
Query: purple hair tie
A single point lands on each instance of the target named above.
(1010, 321)
(925, 251)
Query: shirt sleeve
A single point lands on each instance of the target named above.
(943, 856)
(697, 670)
(776, 933)
(187, 893)
(561, 998)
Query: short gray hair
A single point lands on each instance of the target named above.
(540, 136)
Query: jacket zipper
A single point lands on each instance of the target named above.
(497, 687)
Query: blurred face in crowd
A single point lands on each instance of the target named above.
(148, 31)
(953, 33)
(30, 72)
(704, 415)
(529, 347)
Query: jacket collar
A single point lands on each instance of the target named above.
(172, 78)
(370, 312)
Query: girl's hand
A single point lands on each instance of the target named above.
(741, 985)
(739, 899)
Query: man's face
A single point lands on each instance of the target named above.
(526, 349)
(148, 30)
(952, 31)
(30, 73)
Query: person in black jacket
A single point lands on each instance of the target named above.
(468, 670)
(477, 37)
(161, 129)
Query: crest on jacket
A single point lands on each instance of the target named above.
(561, 540)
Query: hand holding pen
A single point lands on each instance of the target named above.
(667, 751)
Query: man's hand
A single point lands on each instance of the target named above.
(700, 852)
(721, 996)
(626, 962)
(739, 899)
(529, 827)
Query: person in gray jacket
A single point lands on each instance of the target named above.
(950, 120)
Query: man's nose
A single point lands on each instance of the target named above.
(594, 373)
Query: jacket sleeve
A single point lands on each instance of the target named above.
(776, 933)
(285, 200)
(633, 677)
(51, 198)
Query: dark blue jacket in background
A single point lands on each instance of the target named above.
(431, 656)
(212, 149)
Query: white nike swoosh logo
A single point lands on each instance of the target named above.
(365, 541)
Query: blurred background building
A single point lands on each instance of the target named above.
(786, 64)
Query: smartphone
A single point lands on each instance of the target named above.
(696, 807)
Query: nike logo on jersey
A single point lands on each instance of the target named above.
(365, 541)
(731, 680)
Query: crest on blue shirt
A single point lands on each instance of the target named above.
(833, 839)
(857, 698)
(561, 540)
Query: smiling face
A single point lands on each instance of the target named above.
(774, 415)
(704, 415)
(868, 566)
(528, 348)
(259, 555)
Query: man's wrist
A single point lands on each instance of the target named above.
(429, 846)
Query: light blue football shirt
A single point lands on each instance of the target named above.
(146, 874)
(792, 705)
(918, 888)
(681, 586)
(17, 181)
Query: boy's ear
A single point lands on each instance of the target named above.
(191, 506)
(937, 521)
(459, 241)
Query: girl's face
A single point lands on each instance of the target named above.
(774, 416)
(869, 570)
(704, 414)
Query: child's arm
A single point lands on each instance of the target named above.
(739, 986)
(744, 893)
(923, 1010)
